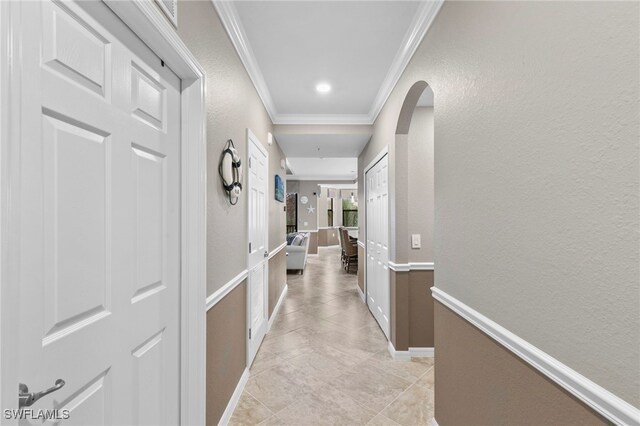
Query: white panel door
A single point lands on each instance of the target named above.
(100, 203)
(258, 246)
(377, 256)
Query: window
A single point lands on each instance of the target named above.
(292, 212)
(350, 212)
(330, 212)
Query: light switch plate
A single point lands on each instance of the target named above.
(415, 241)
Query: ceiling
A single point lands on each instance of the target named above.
(323, 168)
(330, 145)
(360, 48)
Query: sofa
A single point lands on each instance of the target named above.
(297, 251)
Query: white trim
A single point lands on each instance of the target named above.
(595, 396)
(329, 119)
(235, 398)
(411, 266)
(324, 178)
(172, 17)
(364, 299)
(253, 141)
(373, 162)
(150, 25)
(361, 244)
(276, 309)
(433, 422)
(10, 136)
(276, 250)
(416, 31)
(425, 16)
(219, 294)
(229, 17)
(411, 353)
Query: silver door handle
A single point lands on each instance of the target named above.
(27, 399)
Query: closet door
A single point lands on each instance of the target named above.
(377, 229)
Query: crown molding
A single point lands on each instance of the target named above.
(417, 30)
(231, 21)
(324, 178)
(332, 119)
(427, 12)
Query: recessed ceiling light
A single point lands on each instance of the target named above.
(323, 87)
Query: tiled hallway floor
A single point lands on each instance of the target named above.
(325, 361)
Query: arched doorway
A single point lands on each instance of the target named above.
(412, 207)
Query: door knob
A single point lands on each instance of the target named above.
(27, 399)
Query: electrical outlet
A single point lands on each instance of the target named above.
(415, 241)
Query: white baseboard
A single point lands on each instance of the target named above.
(610, 406)
(433, 422)
(364, 299)
(235, 398)
(411, 353)
(277, 307)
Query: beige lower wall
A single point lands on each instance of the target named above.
(313, 242)
(478, 381)
(411, 309)
(361, 262)
(226, 350)
(328, 237)
(277, 278)
(322, 237)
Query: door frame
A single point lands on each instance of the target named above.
(146, 21)
(376, 160)
(253, 139)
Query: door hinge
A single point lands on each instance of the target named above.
(249, 162)
(249, 334)
(249, 247)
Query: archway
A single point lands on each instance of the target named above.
(413, 211)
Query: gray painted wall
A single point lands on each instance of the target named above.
(308, 187)
(420, 185)
(537, 214)
(233, 106)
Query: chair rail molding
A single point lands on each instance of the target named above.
(276, 250)
(595, 396)
(411, 266)
(220, 293)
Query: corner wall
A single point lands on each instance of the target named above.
(537, 185)
(233, 105)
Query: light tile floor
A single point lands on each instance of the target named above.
(325, 361)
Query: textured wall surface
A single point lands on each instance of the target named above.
(536, 173)
(479, 382)
(226, 350)
(420, 185)
(277, 212)
(233, 106)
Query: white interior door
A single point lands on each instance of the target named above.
(258, 245)
(377, 229)
(100, 209)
